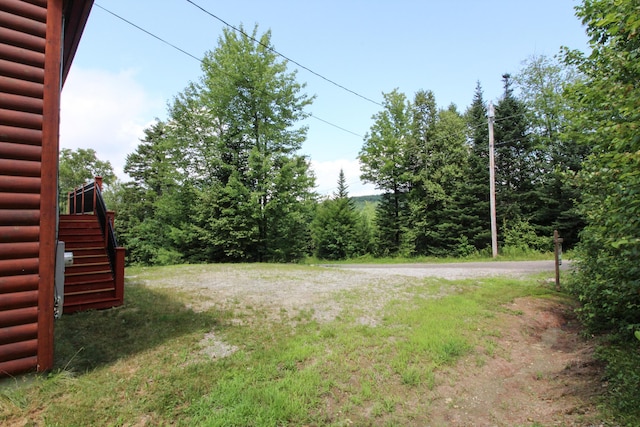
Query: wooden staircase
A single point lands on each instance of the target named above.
(95, 280)
(90, 282)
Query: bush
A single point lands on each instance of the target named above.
(520, 238)
(622, 374)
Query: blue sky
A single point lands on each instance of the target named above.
(122, 78)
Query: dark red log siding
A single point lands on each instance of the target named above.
(29, 111)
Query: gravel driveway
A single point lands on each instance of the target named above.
(454, 271)
(288, 290)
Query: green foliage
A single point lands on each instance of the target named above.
(79, 167)
(623, 380)
(559, 157)
(607, 280)
(221, 179)
(336, 229)
(519, 236)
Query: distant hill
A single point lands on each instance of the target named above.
(361, 201)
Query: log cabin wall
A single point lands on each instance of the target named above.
(30, 82)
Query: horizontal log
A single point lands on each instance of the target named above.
(20, 167)
(19, 217)
(19, 201)
(18, 333)
(20, 135)
(18, 350)
(24, 24)
(19, 184)
(22, 39)
(21, 55)
(18, 366)
(19, 316)
(10, 267)
(21, 103)
(21, 87)
(20, 152)
(20, 119)
(19, 250)
(32, 10)
(21, 71)
(22, 283)
(15, 300)
(19, 233)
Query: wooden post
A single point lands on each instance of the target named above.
(492, 184)
(49, 180)
(557, 245)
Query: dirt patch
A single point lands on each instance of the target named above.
(541, 373)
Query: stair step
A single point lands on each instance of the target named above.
(96, 267)
(87, 278)
(89, 291)
(84, 273)
(91, 305)
(85, 239)
(99, 258)
(90, 285)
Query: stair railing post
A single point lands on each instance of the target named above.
(82, 200)
(96, 186)
(109, 225)
(118, 274)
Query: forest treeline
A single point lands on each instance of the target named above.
(222, 178)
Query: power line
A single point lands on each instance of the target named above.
(148, 32)
(336, 126)
(283, 56)
(201, 61)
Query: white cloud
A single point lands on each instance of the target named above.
(327, 173)
(105, 111)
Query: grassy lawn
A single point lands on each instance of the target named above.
(147, 363)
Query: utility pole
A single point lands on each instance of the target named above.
(492, 184)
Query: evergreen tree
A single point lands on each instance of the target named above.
(515, 160)
(335, 227)
(541, 84)
(437, 160)
(423, 122)
(384, 160)
(473, 192)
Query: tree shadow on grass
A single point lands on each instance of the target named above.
(148, 318)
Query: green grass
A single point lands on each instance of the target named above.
(142, 363)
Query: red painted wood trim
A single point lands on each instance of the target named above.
(119, 275)
(49, 193)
